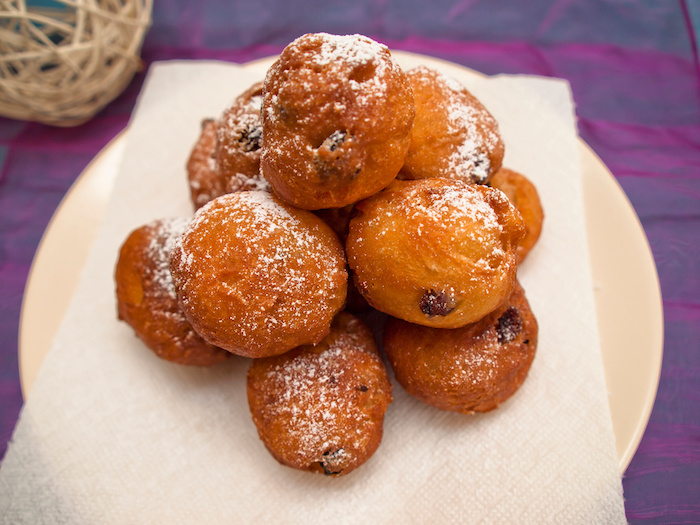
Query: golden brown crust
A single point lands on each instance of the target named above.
(436, 252)
(337, 115)
(226, 156)
(146, 297)
(258, 277)
(523, 194)
(454, 135)
(239, 142)
(321, 408)
(470, 369)
(203, 175)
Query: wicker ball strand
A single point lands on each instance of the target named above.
(62, 63)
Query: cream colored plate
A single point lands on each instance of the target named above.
(626, 284)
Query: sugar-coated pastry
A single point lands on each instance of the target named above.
(321, 407)
(226, 156)
(523, 194)
(337, 115)
(453, 134)
(470, 369)
(205, 181)
(436, 252)
(258, 277)
(239, 141)
(146, 297)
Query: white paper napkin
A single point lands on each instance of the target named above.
(112, 434)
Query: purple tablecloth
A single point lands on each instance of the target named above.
(635, 75)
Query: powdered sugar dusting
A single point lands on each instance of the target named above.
(309, 399)
(267, 271)
(454, 203)
(241, 130)
(352, 60)
(468, 119)
(451, 208)
(165, 234)
(351, 49)
(455, 215)
(470, 159)
(477, 367)
(317, 398)
(244, 182)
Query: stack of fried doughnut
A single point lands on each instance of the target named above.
(342, 183)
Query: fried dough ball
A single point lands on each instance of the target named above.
(146, 297)
(226, 156)
(337, 116)
(238, 143)
(321, 408)
(435, 252)
(205, 181)
(258, 277)
(453, 134)
(470, 369)
(523, 194)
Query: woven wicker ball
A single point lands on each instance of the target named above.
(61, 61)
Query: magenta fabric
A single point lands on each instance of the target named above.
(635, 77)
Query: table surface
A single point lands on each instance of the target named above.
(635, 77)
